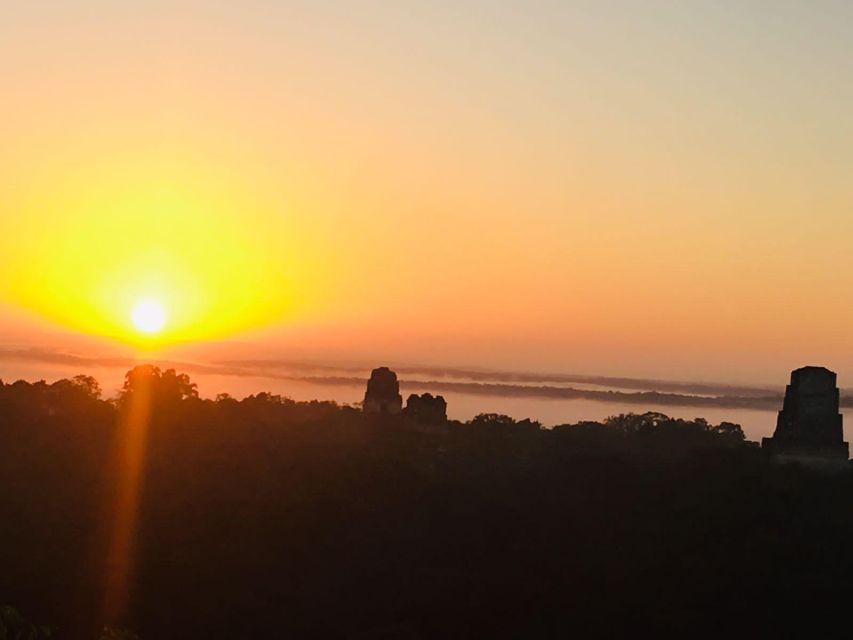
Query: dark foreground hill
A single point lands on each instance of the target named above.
(267, 518)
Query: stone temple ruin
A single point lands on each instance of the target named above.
(809, 426)
(383, 398)
(383, 393)
(426, 409)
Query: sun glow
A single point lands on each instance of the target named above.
(154, 254)
(149, 316)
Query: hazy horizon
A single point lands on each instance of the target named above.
(551, 398)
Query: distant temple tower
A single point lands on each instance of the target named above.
(383, 393)
(426, 409)
(809, 427)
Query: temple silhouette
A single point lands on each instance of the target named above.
(383, 393)
(809, 426)
(383, 398)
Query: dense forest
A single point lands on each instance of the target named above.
(269, 518)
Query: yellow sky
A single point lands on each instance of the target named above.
(655, 190)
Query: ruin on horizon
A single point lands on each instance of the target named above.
(809, 426)
(426, 409)
(383, 393)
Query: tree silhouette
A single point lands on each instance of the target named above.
(14, 627)
(165, 387)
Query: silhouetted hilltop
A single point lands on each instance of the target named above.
(263, 517)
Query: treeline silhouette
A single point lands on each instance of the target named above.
(270, 518)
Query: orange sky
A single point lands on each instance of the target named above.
(660, 190)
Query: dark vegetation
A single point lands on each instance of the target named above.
(268, 518)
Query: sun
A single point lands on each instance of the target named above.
(149, 316)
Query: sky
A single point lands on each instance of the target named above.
(616, 188)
